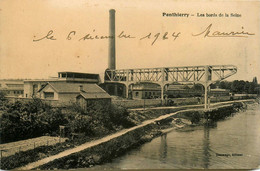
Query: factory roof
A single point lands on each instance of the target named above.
(95, 95)
(64, 87)
(66, 74)
(70, 72)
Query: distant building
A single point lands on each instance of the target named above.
(12, 87)
(73, 92)
(217, 92)
(31, 87)
(152, 91)
(182, 91)
(146, 91)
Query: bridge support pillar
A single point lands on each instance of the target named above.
(126, 91)
(206, 97)
(162, 93)
(206, 85)
(116, 90)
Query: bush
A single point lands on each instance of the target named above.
(81, 124)
(195, 117)
(120, 116)
(98, 119)
(23, 120)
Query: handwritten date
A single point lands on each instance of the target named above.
(72, 35)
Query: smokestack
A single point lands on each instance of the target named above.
(112, 41)
(80, 88)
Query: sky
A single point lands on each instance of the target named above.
(22, 21)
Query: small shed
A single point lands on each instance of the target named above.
(87, 99)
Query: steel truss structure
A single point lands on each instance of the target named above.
(204, 75)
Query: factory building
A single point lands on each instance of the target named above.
(65, 92)
(12, 87)
(153, 91)
(68, 87)
(146, 91)
(31, 87)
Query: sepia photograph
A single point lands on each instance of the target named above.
(120, 85)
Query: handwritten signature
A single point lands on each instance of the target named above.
(72, 35)
(208, 33)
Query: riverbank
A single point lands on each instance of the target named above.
(103, 150)
(199, 147)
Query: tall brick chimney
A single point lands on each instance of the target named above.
(112, 41)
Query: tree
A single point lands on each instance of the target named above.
(247, 87)
(252, 86)
(2, 96)
(197, 87)
(223, 84)
(238, 86)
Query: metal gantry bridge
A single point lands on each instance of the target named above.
(165, 76)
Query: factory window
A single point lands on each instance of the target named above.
(48, 95)
(14, 85)
(145, 94)
(70, 75)
(136, 94)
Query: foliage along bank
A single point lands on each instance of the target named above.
(23, 120)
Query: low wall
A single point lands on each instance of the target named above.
(137, 102)
(154, 102)
(171, 101)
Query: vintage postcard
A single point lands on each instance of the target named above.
(129, 84)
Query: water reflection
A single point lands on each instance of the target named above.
(206, 143)
(163, 147)
(206, 146)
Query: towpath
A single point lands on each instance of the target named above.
(187, 106)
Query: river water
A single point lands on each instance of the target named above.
(233, 143)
